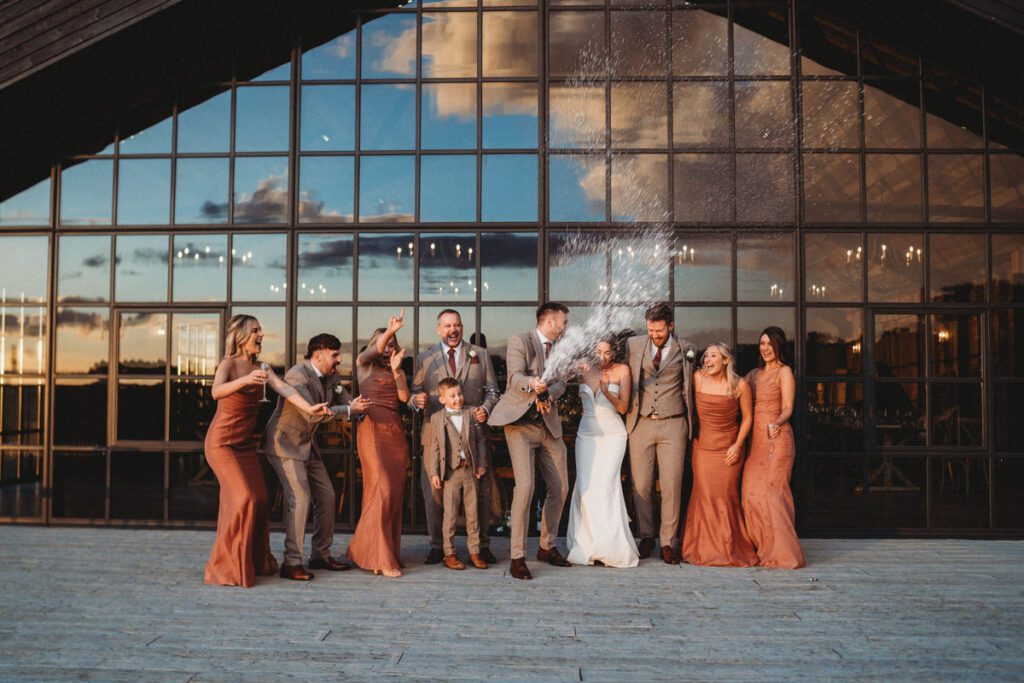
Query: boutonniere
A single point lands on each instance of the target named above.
(690, 354)
(473, 358)
(338, 389)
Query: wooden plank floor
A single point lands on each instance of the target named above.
(130, 605)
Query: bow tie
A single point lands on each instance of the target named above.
(451, 413)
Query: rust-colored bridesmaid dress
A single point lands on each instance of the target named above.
(715, 535)
(241, 550)
(384, 454)
(767, 499)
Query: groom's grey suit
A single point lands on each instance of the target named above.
(290, 444)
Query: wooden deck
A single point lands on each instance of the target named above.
(130, 605)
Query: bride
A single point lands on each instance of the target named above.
(598, 530)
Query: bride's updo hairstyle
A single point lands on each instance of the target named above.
(730, 365)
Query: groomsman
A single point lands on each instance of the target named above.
(533, 431)
(471, 366)
(658, 424)
(290, 444)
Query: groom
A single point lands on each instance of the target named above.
(658, 424)
(533, 430)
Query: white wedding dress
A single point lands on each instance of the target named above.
(598, 523)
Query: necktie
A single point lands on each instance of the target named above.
(323, 383)
(657, 358)
(451, 360)
(547, 349)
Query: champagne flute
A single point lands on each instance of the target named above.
(265, 368)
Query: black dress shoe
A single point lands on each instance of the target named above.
(434, 556)
(295, 572)
(487, 556)
(645, 547)
(552, 557)
(669, 555)
(329, 563)
(519, 570)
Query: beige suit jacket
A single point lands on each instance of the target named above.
(637, 346)
(525, 359)
(474, 443)
(290, 431)
(476, 375)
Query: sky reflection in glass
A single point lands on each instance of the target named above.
(261, 189)
(206, 127)
(154, 140)
(510, 115)
(83, 274)
(389, 46)
(261, 119)
(448, 188)
(87, 193)
(325, 267)
(327, 190)
(576, 191)
(448, 113)
(508, 266)
(388, 118)
(447, 267)
(259, 267)
(335, 59)
(144, 192)
(385, 268)
(200, 267)
(141, 268)
(201, 190)
(509, 190)
(387, 189)
(29, 207)
(328, 118)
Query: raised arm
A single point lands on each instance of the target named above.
(372, 353)
(291, 394)
(400, 381)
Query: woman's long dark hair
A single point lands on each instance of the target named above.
(777, 338)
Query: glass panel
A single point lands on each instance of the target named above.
(764, 267)
(192, 408)
(261, 189)
(1008, 342)
(899, 414)
(832, 263)
(313, 320)
(327, 189)
(832, 187)
(448, 116)
(82, 340)
(387, 187)
(828, 47)
(388, 119)
(830, 493)
(703, 325)
(23, 268)
(509, 191)
(144, 192)
(956, 187)
(447, 267)
(428, 325)
(895, 267)
(80, 412)
(143, 344)
(22, 335)
(956, 415)
(763, 48)
(282, 72)
(206, 127)
(201, 191)
(259, 267)
(640, 259)
(154, 140)
(899, 345)
(385, 267)
(195, 343)
(510, 43)
(640, 188)
(193, 488)
(86, 193)
(700, 43)
(639, 44)
(272, 320)
(835, 417)
(834, 341)
(576, 44)
(639, 115)
(703, 268)
(1008, 429)
(261, 122)
(79, 485)
(141, 268)
(28, 207)
(1006, 181)
(764, 187)
(701, 189)
(958, 267)
(328, 118)
(200, 267)
(764, 115)
(892, 119)
(508, 266)
(896, 493)
(509, 115)
(84, 272)
(1007, 483)
(830, 114)
(1008, 267)
(497, 326)
(449, 44)
(576, 117)
(448, 188)
(956, 345)
(136, 485)
(750, 322)
(577, 265)
(140, 409)
(954, 110)
(325, 267)
(389, 46)
(576, 188)
(335, 59)
(701, 115)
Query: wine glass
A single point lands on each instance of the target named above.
(265, 368)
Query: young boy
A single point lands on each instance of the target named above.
(456, 458)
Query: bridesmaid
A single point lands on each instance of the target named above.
(715, 535)
(767, 499)
(241, 549)
(383, 452)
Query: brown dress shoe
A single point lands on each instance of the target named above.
(434, 556)
(645, 547)
(452, 562)
(477, 561)
(295, 572)
(669, 555)
(329, 563)
(552, 557)
(518, 569)
(488, 556)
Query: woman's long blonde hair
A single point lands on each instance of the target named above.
(375, 336)
(732, 379)
(240, 328)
